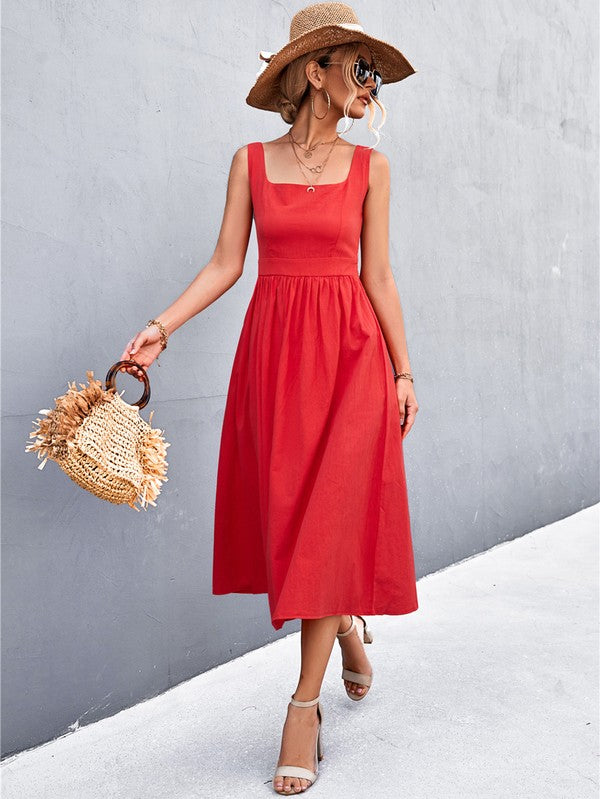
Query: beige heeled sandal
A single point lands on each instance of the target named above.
(298, 771)
(354, 676)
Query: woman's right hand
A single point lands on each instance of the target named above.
(143, 348)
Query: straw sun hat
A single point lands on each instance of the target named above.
(312, 28)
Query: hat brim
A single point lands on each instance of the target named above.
(389, 61)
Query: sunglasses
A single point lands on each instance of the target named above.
(362, 71)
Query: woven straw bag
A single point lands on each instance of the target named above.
(102, 443)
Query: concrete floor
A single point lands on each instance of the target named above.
(489, 690)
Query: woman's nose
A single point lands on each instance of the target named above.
(370, 85)
(370, 82)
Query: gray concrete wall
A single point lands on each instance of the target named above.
(120, 120)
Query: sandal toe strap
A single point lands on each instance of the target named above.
(354, 676)
(295, 771)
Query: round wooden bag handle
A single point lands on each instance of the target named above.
(110, 380)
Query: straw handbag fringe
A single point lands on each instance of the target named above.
(103, 444)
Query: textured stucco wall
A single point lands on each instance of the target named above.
(120, 120)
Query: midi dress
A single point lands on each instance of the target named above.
(311, 502)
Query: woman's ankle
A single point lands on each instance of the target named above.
(306, 694)
(345, 623)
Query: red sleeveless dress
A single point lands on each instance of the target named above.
(311, 500)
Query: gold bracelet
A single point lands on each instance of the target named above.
(163, 333)
(406, 375)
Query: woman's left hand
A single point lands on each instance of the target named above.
(407, 403)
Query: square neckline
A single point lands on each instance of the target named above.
(305, 185)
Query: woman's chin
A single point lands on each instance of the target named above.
(357, 109)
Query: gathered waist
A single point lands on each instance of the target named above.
(309, 266)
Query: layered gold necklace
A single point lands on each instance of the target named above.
(308, 153)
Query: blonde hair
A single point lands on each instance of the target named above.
(294, 86)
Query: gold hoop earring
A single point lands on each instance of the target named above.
(312, 104)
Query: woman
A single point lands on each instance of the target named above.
(311, 502)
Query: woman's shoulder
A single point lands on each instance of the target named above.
(379, 161)
(378, 168)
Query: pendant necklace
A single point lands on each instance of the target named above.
(318, 169)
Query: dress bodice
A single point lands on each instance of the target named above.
(321, 228)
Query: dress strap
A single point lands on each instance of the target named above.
(252, 161)
(366, 166)
(255, 168)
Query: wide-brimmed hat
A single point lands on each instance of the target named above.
(315, 27)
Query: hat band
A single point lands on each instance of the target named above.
(266, 56)
(352, 26)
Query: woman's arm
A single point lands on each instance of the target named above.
(227, 262)
(376, 273)
(220, 273)
(379, 284)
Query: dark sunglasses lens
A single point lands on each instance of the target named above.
(362, 72)
(378, 81)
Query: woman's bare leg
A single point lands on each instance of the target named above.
(298, 738)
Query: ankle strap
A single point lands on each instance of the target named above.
(305, 704)
(349, 630)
